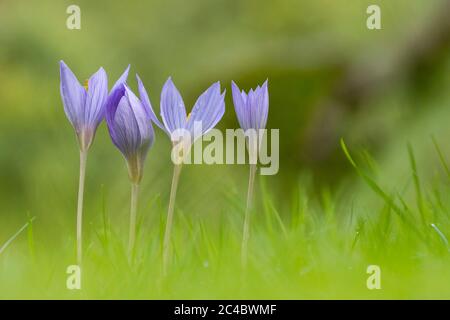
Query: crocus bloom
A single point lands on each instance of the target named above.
(84, 105)
(130, 127)
(251, 110)
(207, 111)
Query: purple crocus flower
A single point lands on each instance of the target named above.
(130, 127)
(207, 111)
(85, 108)
(252, 108)
(84, 105)
(129, 124)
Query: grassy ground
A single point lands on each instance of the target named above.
(318, 249)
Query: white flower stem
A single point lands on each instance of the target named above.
(133, 211)
(173, 194)
(246, 231)
(83, 158)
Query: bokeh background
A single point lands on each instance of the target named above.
(329, 77)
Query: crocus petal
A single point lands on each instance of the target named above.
(126, 128)
(240, 106)
(264, 105)
(252, 104)
(142, 116)
(97, 94)
(73, 96)
(173, 112)
(122, 79)
(244, 96)
(146, 102)
(116, 93)
(208, 109)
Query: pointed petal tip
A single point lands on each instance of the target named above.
(125, 87)
(124, 75)
(102, 71)
(63, 66)
(169, 84)
(215, 87)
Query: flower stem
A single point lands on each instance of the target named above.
(133, 210)
(83, 158)
(246, 231)
(173, 194)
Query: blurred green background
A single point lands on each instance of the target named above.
(329, 77)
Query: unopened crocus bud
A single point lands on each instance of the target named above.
(251, 111)
(130, 128)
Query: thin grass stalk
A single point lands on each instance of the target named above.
(8, 242)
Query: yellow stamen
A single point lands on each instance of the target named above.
(86, 84)
(189, 115)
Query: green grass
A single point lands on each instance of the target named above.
(311, 248)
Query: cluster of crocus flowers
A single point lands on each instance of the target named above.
(129, 119)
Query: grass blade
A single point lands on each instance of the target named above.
(441, 235)
(416, 180)
(377, 189)
(441, 157)
(8, 242)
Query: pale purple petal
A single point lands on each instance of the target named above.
(146, 102)
(127, 135)
(142, 117)
(239, 100)
(264, 107)
(244, 96)
(111, 107)
(97, 94)
(116, 93)
(122, 79)
(73, 97)
(173, 112)
(208, 109)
